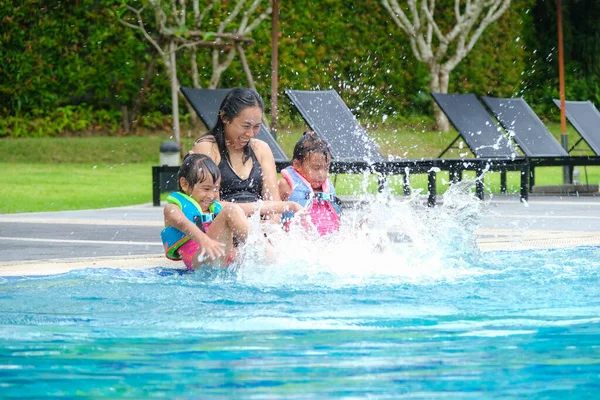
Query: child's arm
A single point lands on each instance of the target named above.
(285, 190)
(174, 217)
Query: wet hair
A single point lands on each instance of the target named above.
(236, 101)
(197, 168)
(311, 143)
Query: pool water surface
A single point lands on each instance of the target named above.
(418, 324)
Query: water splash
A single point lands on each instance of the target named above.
(386, 239)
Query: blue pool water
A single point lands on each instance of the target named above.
(418, 324)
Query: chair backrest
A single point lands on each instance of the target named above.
(206, 103)
(585, 118)
(327, 114)
(525, 127)
(476, 126)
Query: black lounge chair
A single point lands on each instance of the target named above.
(532, 136)
(206, 103)
(327, 114)
(585, 118)
(474, 124)
(528, 131)
(483, 136)
(353, 150)
(525, 127)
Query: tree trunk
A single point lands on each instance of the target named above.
(175, 94)
(194, 119)
(439, 84)
(142, 93)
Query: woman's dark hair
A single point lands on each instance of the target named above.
(236, 101)
(311, 143)
(196, 168)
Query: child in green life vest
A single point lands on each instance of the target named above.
(199, 229)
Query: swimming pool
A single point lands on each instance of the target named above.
(522, 324)
(425, 315)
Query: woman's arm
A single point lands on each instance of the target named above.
(263, 152)
(268, 207)
(176, 218)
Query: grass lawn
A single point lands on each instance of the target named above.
(54, 187)
(52, 174)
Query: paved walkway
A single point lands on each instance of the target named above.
(55, 242)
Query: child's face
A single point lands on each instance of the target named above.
(243, 127)
(314, 168)
(203, 192)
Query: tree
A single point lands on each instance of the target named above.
(442, 52)
(179, 25)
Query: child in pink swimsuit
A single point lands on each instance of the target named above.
(307, 182)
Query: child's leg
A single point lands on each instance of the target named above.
(229, 227)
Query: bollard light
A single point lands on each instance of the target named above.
(169, 154)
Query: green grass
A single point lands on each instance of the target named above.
(48, 187)
(84, 150)
(70, 173)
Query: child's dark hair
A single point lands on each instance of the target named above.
(311, 143)
(236, 101)
(196, 168)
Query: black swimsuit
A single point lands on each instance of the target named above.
(239, 190)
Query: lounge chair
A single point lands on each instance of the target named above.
(483, 137)
(354, 151)
(532, 136)
(524, 126)
(528, 131)
(585, 118)
(474, 124)
(327, 114)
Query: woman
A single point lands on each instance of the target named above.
(246, 163)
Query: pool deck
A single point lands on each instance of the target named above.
(128, 237)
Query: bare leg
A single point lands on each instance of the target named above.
(229, 224)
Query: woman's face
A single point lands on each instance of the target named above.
(243, 127)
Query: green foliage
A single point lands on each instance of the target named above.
(581, 27)
(495, 65)
(73, 67)
(60, 59)
(355, 49)
(61, 120)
